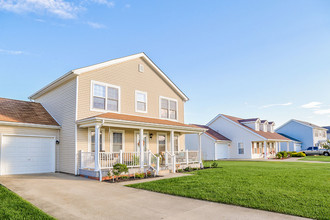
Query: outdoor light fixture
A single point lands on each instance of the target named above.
(151, 134)
(57, 142)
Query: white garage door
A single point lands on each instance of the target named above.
(23, 155)
(222, 151)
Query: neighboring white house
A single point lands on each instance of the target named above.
(215, 145)
(236, 138)
(307, 133)
(328, 131)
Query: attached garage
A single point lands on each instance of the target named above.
(27, 154)
(28, 137)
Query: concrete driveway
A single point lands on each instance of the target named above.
(69, 197)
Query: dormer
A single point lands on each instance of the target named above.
(271, 126)
(263, 125)
(251, 123)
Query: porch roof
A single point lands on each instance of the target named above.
(133, 121)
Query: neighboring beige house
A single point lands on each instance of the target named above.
(109, 111)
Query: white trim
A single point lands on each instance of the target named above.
(105, 64)
(89, 138)
(146, 95)
(28, 135)
(160, 107)
(111, 139)
(106, 85)
(76, 129)
(20, 124)
(178, 135)
(135, 139)
(158, 134)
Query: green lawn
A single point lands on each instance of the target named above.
(301, 189)
(317, 158)
(14, 207)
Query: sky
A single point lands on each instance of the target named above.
(266, 59)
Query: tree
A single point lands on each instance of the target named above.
(118, 169)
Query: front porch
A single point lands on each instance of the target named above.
(266, 149)
(142, 147)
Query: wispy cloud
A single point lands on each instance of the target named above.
(127, 6)
(109, 4)
(312, 105)
(60, 8)
(273, 105)
(96, 25)
(322, 112)
(11, 52)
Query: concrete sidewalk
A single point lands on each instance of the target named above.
(69, 197)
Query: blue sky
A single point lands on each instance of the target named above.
(267, 59)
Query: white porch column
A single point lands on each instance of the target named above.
(172, 142)
(200, 149)
(97, 146)
(265, 149)
(287, 146)
(141, 149)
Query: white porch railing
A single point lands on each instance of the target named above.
(132, 159)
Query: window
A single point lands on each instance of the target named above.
(161, 143)
(168, 109)
(91, 141)
(106, 97)
(117, 141)
(316, 133)
(140, 101)
(255, 148)
(240, 148)
(176, 143)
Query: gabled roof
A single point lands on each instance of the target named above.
(213, 134)
(16, 111)
(328, 128)
(263, 121)
(291, 138)
(302, 123)
(73, 73)
(266, 135)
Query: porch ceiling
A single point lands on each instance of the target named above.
(137, 122)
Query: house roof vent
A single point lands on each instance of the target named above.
(141, 68)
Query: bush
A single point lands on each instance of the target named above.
(139, 175)
(118, 169)
(214, 165)
(124, 177)
(279, 155)
(300, 154)
(284, 154)
(187, 169)
(148, 174)
(180, 170)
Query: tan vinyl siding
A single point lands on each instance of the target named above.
(60, 103)
(127, 76)
(33, 131)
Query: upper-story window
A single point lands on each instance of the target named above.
(105, 97)
(316, 133)
(168, 108)
(141, 101)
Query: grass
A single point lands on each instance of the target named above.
(317, 158)
(300, 189)
(14, 207)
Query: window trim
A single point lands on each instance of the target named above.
(135, 140)
(238, 148)
(146, 94)
(106, 96)
(160, 108)
(102, 130)
(111, 139)
(158, 134)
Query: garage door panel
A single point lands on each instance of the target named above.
(22, 155)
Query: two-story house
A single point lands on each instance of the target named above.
(307, 133)
(124, 110)
(231, 137)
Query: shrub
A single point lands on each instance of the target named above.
(124, 177)
(300, 154)
(279, 155)
(284, 154)
(139, 175)
(180, 170)
(148, 174)
(187, 169)
(118, 169)
(214, 165)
